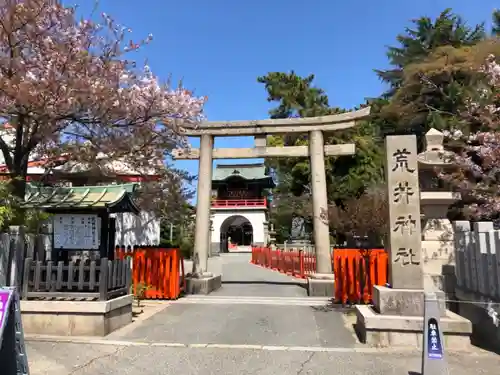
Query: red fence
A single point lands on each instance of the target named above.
(356, 271)
(221, 203)
(159, 271)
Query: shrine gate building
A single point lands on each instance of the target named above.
(239, 207)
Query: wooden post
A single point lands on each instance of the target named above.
(103, 279)
(4, 258)
(103, 247)
(112, 238)
(17, 255)
(26, 274)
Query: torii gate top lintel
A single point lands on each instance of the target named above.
(269, 126)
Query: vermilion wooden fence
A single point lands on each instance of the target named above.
(356, 271)
(159, 270)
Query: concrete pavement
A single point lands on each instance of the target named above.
(240, 278)
(260, 322)
(252, 323)
(91, 359)
(255, 306)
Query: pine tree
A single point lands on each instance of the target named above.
(347, 176)
(495, 30)
(448, 29)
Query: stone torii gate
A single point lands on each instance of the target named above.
(315, 127)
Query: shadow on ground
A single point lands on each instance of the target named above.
(334, 306)
(264, 282)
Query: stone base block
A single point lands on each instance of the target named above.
(321, 285)
(76, 318)
(203, 285)
(405, 302)
(407, 331)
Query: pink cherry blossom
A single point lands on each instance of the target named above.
(478, 161)
(66, 86)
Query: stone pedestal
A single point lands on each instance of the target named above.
(321, 285)
(397, 319)
(203, 284)
(76, 318)
(379, 330)
(404, 302)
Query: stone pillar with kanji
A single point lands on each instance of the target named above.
(397, 315)
(404, 230)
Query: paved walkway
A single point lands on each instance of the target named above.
(255, 306)
(241, 278)
(259, 322)
(95, 359)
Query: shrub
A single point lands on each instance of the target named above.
(366, 216)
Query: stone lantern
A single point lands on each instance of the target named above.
(272, 237)
(435, 200)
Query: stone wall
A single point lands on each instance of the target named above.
(477, 278)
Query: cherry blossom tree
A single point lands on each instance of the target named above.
(477, 145)
(362, 216)
(478, 159)
(456, 89)
(67, 87)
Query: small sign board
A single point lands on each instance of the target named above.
(433, 356)
(12, 348)
(434, 344)
(5, 298)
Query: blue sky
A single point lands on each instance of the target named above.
(220, 47)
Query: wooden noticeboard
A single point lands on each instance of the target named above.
(76, 231)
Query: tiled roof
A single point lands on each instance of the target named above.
(246, 171)
(112, 198)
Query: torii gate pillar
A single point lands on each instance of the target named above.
(202, 233)
(320, 203)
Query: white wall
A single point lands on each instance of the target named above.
(257, 219)
(142, 229)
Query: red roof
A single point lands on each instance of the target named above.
(34, 163)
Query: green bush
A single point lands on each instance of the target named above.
(139, 292)
(186, 248)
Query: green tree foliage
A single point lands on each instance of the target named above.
(415, 105)
(347, 176)
(471, 122)
(495, 30)
(436, 91)
(7, 205)
(11, 213)
(448, 29)
(428, 86)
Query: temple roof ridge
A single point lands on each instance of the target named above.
(241, 165)
(247, 171)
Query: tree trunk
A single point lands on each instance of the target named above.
(17, 187)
